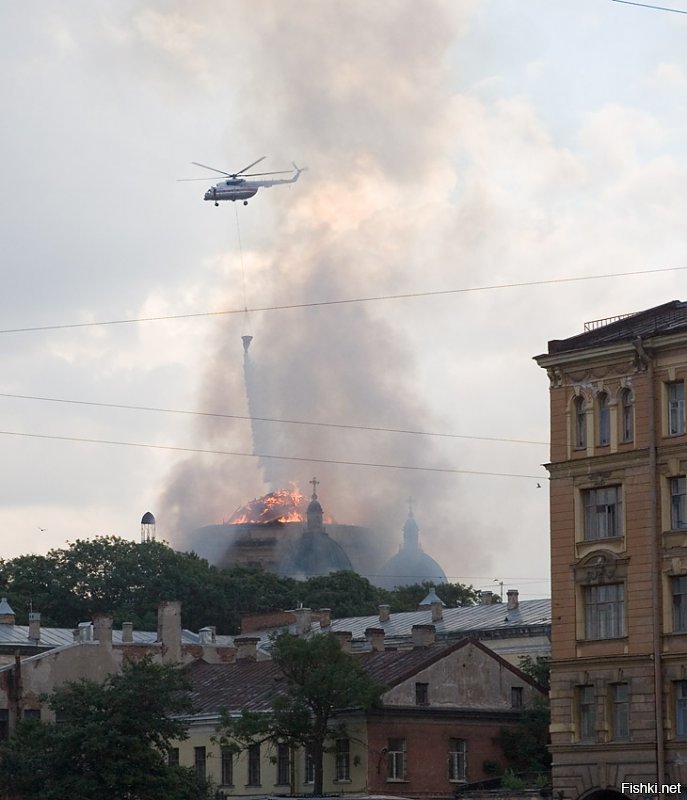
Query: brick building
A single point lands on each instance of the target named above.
(619, 553)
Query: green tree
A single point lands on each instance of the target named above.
(527, 747)
(537, 668)
(111, 741)
(118, 576)
(406, 598)
(321, 679)
(346, 593)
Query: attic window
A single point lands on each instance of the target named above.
(421, 694)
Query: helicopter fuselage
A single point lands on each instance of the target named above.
(231, 190)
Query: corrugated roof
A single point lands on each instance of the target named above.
(18, 636)
(480, 620)
(249, 685)
(468, 620)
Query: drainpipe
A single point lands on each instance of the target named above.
(656, 588)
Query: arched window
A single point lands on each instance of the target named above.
(580, 435)
(604, 419)
(627, 416)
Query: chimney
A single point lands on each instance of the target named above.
(437, 611)
(384, 613)
(169, 629)
(375, 638)
(513, 601)
(85, 632)
(205, 635)
(486, 598)
(34, 626)
(6, 613)
(102, 629)
(423, 635)
(213, 633)
(325, 617)
(345, 639)
(127, 632)
(246, 648)
(303, 621)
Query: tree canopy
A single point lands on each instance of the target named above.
(111, 740)
(321, 679)
(128, 580)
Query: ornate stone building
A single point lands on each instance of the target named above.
(619, 554)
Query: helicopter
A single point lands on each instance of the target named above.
(236, 187)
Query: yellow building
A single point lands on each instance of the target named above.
(619, 555)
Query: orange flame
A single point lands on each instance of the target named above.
(283, 505)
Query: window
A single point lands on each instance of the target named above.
(283, 765)
(200, 761)
(679, 587)
(586, 712)
(254, 765)
(516, 696)
(421, 694)
(604, 419)
(681, 708)
(457, 760)
(342, 770)
(173, 757)
(602, 513)
(676, 408)
(227, 766)
(678, 506)
(4, 723)
(580, 438)
(620, 711)
(604, 608)
(627, 428)
(396, 760)
(309, 768)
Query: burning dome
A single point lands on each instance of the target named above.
(411, 564)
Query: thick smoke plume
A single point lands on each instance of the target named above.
(355, 91)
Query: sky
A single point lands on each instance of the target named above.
(517, 152)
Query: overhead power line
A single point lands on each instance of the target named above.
(339, 426)
(171, 448)
(345, 301)
(648, 5)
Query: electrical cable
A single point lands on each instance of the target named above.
(146, 445)
(647, 5)
(339, 426)
(344, 301)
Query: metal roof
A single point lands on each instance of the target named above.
(480, 621)
(660, 320)
(18, 636)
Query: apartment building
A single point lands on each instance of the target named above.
(619, 554)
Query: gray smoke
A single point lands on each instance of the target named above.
(357, 92)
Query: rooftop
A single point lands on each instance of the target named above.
(657, 321)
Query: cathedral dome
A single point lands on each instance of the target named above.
(314, 553)
(411, 564)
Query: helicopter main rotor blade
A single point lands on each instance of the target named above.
(184, 180)
(214, 169)
(241, 171)
(278, 172)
